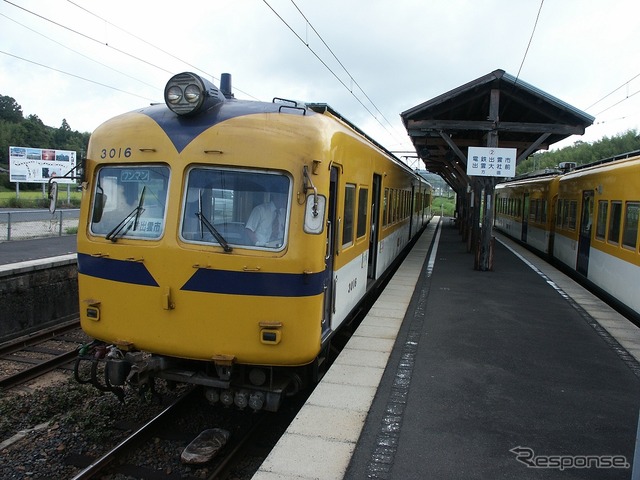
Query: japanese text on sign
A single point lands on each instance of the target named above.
(491, 162)
(38, 165)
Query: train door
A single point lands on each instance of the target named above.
(374, 227)
(525, 217)
(551, 222)
(584, 239)
(411, 211)
(329, 287)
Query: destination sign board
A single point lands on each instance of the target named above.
(491, 162)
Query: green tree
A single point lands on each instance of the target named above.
(9, 134)
(63, 134)
(10, 110)
(36, 134)
(582, 152)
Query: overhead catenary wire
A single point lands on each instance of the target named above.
(335, 75)
(74, 75)
(77, 52)
(535, 24)
(614, 91)
(90, 38)
(106, 44)
(619, 102)
(339, 62)
(175, 57)
(345, 84)
(137, 58)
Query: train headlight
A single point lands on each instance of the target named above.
(174, 95)
(188, 93)
(192, 93)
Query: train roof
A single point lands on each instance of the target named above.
(193, 104)
(606, 166)
(533, 179)
(181, 130)
(323, 107)
(622, 156)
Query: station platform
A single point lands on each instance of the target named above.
(517, 373)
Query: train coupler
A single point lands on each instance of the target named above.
(98, 360)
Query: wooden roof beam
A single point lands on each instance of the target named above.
(418, 128)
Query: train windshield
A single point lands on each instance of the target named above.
(236, 208)
(130, 202)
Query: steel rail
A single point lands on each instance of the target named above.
(100, 465)
(38, 369)
(17, 344)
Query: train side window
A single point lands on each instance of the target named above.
(601, 225)
(392, 206)
(630, 229)
(385, 207)
(614, 223)
(533, 210)
(572, 212)
(407, 204)
(349, 209)
(363, 208)
(559, 213)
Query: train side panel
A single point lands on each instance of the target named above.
(602, 243)
(525, 210)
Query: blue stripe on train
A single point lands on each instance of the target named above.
(125, 271)
(256, 283)
(208, 280)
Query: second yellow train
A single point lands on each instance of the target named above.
(586, 219)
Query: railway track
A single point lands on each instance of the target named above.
(28, 357)
(143, 453)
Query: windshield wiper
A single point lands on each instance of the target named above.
(125, 225)
(221, 240)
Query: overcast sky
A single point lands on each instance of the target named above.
(391, 54)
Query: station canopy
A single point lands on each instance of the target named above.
(522, 116)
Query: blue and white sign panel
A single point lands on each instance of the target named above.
(38, 165)
(491, 162)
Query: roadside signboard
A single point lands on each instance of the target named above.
(38, 165)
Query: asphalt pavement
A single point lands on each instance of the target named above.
(33, 249)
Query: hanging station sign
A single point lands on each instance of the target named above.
(491, 162)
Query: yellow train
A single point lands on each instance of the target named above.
(223, 242)
(586, 219)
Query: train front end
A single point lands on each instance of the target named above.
(201, 248)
